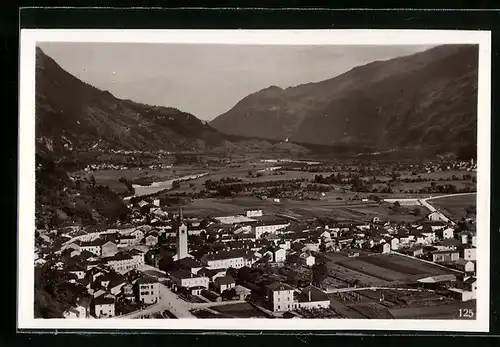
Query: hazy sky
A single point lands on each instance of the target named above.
(207, 80)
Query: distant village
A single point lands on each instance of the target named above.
(164, 254)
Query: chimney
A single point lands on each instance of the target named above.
(309, 294)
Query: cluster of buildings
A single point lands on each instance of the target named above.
(109, 262)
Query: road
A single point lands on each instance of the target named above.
(431, 208)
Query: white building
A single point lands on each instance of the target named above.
(148, 290)
(224, 283)
(268, 227)
(253, 213)
(122, 262)
(280, 296)
(224, 260)
(103, 307)
(186, 279)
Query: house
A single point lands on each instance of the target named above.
(464, 237)
(448, 244)
(278, 254)
(242, 292)
(280, 297)
(383, 248)
(138, 234)
(103, 307)
(81, 310)
(184, 278)
(126, 240)
(298, 247)
(151, 239)
(448, 233)
(138, 256)
(224, 283)
(307, 259)
(147, 289)
(467, 266)
(94, 246)
(312, 297)
(436, 216)
(414, 251)
(465, 290)
(121, 262)
(77, 269)
(394, 243)
(109, 249)
(253, 213)
(212, 274)
(468, 253)
(445, 256)
(226, 259)
(270, 227)
(190, 264)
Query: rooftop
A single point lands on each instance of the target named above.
(235, 219)
(224, 280)
(278, 286)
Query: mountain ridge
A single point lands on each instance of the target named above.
(415, 84)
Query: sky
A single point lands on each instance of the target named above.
(207, 80)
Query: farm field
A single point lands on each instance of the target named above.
(240, 310)
(295, 208)
(111, 178)
(385, 274)
(412, 269)
(455, 207)
(377, 270)
(444, 311)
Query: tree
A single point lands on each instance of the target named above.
(319, 273)
(176, 184)
(228, 294)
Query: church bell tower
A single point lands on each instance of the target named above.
(182, 238)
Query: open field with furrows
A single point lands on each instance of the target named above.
(449, 310)
(412, 268)
(351, 276)
(392, 268)
(372, 270)
(376, 270)
(455, 207)
(295, 208)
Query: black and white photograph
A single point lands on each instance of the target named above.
(328, 179)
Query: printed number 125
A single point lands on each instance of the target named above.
(466, 313)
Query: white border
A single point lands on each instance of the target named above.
(28, 39)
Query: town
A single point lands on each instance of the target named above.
(168, 264)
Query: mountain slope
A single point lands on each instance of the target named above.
(425, 99)
(71, 114)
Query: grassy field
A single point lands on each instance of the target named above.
(455, 207)
(240, 310)
(111, 178)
